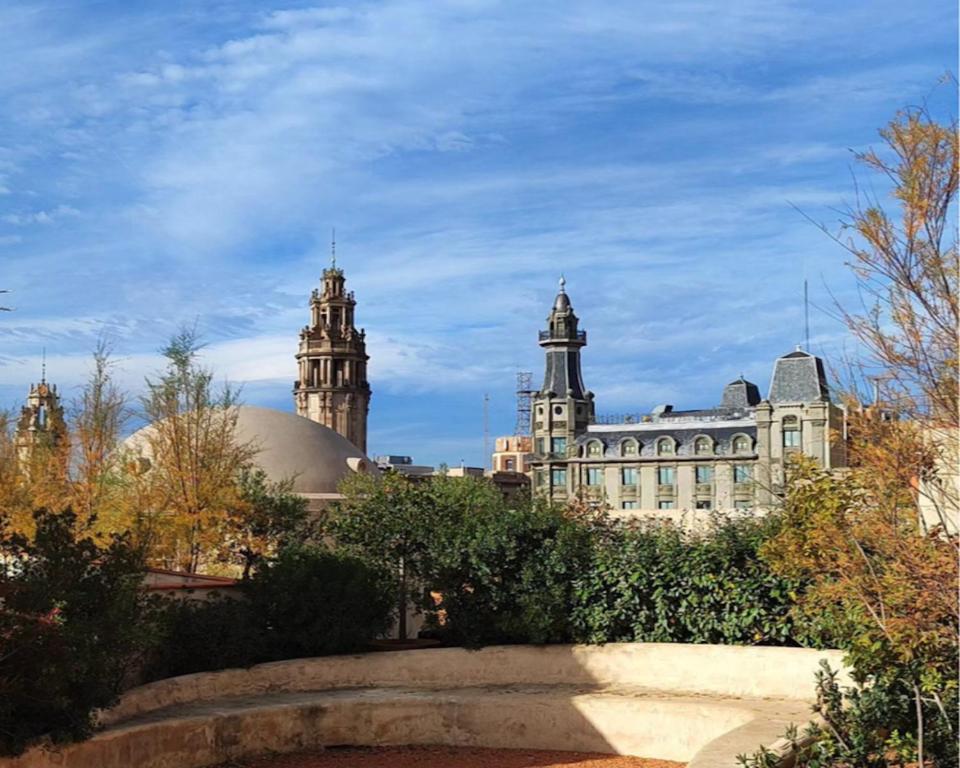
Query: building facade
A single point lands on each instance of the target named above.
(332, 387)
(680, 465)
(513, 454)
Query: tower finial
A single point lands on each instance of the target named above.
(563, 282)
(43, 365)
(333, 248)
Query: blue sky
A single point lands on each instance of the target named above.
(169, 162)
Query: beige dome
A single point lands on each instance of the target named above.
(290, 447)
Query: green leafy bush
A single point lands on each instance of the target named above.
(308, 602)
(656, 583)
(205, 636)
(73, 628)
(486, 570)
(508, 575)
(312, 602)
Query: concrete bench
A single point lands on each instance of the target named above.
(698, 704)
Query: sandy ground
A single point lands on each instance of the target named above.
(449, 757)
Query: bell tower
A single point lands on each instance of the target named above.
(331, 386)
(41, 423)
(563, 407)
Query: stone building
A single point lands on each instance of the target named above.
(41, 421)
(513, 453)
(677, 464)
(332, 387)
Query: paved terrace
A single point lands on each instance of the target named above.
(697, 704)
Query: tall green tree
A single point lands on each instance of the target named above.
(195, 453)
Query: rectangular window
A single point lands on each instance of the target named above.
(510, 465)
(558, 477)
(594, 476)
(665, 505)
(541, 476)
(628, 505)
(741, 473)
(541, 446)
(665, 475)
(740, 504)
(558, 445)
(704, 504)
(791, 438)
(704, 473)
(628, 476)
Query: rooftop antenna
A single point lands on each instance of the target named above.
(806, 315)
(333, 248)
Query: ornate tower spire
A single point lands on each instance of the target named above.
(562, 341)
(563, 407)
(332, 387)
(41, 422)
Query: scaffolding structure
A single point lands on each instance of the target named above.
(525, 395)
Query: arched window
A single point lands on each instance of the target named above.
(594, 449)
(629, 447)
(703, 446)
(791, 432)
(741, 444)
(665, 447)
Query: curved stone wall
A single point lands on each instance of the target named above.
(716, 670)
(655, 700)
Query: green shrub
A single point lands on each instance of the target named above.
(308, 602)
(73, 629)
(220, 633)
(655, 583)
(312, 602)
(508, 575)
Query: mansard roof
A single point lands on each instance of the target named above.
(798, 377)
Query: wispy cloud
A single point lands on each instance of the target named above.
(160, 167)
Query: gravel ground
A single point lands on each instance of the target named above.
(449, 757)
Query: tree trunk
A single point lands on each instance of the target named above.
(919, 705)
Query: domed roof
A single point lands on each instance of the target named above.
(291, 447)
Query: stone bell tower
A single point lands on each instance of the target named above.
(41, 423)
(332, 387)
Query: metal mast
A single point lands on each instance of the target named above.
(524, 402)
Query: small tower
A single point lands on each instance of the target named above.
(563, 407)
(41, 423)
(332, 387)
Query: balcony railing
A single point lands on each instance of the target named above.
(666, 490)
(704, 489)
(547, 336)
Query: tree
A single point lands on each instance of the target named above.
(906, 262)
(266, 518)
(195, 454)
(387, 521)
(99, 415)
(881, 580)
(72, 628)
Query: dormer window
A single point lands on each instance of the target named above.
(703, 446)
(594, 449)
(741, 444)
(629, 447)
(665, 447)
